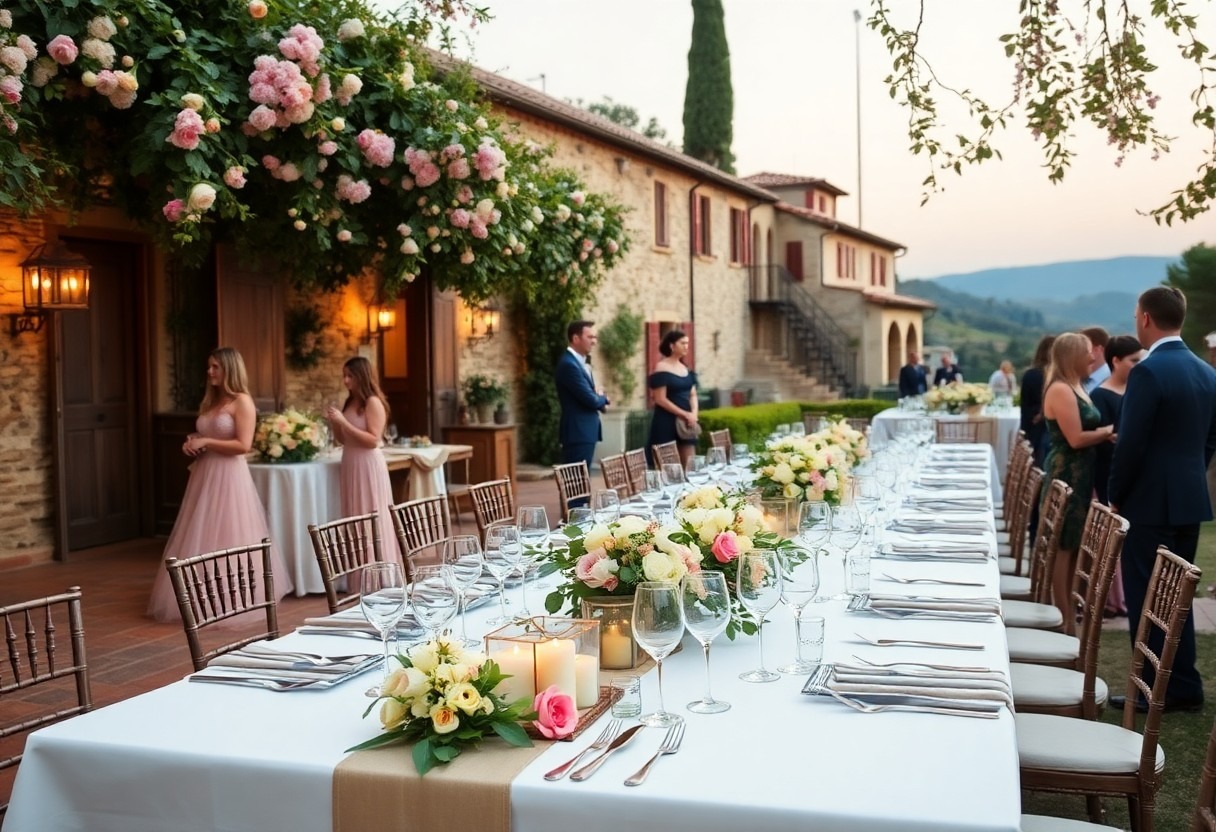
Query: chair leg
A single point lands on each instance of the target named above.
(1093, 805)
(1135, 813)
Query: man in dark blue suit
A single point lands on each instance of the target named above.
(949, 372)
(581, 401)
(1158, 478)
(912, 377)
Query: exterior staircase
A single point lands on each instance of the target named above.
(773, 379)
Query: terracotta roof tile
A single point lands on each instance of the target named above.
(786, 180)
(902, 301)
(837, 225)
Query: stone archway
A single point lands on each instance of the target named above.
(893, 344)
(912, 343)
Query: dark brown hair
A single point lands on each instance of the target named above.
(1121, 346)
(1042, 353)
(669, 341)
(366, 386)
(1097, 336)
(1165, 305)
(576, 328)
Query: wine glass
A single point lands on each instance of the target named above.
(382, 598)
(815, 528)
(695, 472)
(706, 614)
(759, 590)
(500, 565)
(658, 625)
(866, 494)
(582, 518)
(434, 598)
(391, 432)
(652, 489)
(715, 462)
(847, 528)
(606, 504)
(740, 457)
(533, 524)
(673, 479)
(799, 585)
(462, 556)
(512, 549)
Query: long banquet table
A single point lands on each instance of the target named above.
(195, 757)
(1008, 421)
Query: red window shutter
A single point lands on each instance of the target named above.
(810, 200)
(690, 360)
(695, 207)
(839, 260)
(793, 259)
(653, 337)
(706, 227)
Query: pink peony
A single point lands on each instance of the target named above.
(322, 92)
(556, 716)
(490, 161)
(459, 169)
(353, 191)
(427, 175)
(234, 178)
(725, 547)
(478, 229)
(377, 148)
(262, 118)
(173, 210)
(452, 151)
(187, 127)
(464, 194)
(303, 45)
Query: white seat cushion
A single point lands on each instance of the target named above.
(1015, 586)
(1043, 823)
(1029, 614)
(1062, 743)
(1027, 645)
(1008, 566)
(1002, 537)
(1041, 686)
(999, 512)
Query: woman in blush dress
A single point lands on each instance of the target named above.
(221, 508)
(359, 427)
(675, 396)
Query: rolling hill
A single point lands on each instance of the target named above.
(1058, 281)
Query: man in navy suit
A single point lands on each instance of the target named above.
(1167, 434)
(912, 376)
(949, 372)
(580, 399)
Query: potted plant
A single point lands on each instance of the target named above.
(481, 394)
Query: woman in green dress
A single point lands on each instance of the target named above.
(1073, 433)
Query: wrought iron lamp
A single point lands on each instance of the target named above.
(485, 321)
(52, 279)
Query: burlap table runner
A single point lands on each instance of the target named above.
(379, 789)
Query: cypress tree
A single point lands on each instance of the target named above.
(709, 103)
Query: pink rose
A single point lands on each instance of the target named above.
(583, 569)
(63, 49)
(173, 210)
(556, 716)
(257, 9)
(187, 128)
(726, 547)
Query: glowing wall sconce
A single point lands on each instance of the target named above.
(485, 321)
(381, 317)
(52, 278)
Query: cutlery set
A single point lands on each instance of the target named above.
(611, 740)
(261, 666)
(936, 689)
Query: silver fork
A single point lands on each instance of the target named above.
(601, 742)
(919, 709)
(887, 577)
(671, 744)
(251, 682)
(314, 659)
(945, 667)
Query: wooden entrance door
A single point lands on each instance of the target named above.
(95, 403)
(418, 361)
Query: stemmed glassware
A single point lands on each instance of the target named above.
(582, 518)
(759, 590)
(500, 565)
(706, 614)
(799, 585)
(382, 598)
(652, 489)
(815, 528)
(673, 481)
(846, 533)
(391, 433)
(695, 472)
(533, 535)
(715, 462)
(606, 505)
(740, 458)
(434, 598)
(658, 625)
(512, 549)
(462, 556)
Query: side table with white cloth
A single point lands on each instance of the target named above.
(885, 425)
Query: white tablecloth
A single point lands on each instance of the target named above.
(195, 758)
(1008, 422)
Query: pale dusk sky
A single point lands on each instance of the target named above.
(793, 64)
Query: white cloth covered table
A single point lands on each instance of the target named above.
(195, 757)
(1008, 422)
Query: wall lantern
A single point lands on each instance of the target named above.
(52, 278)
(381, 317)
(485, 321)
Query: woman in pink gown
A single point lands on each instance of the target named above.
(359, 426)
(221, 507)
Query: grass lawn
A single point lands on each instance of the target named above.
(1183, 736)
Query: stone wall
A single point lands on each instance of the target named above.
(343, 335)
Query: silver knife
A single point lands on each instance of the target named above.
(590, 769)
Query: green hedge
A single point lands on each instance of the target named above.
(752, 424)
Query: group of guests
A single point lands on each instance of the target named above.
(1128, 420)
(221, 508)
(914, 376)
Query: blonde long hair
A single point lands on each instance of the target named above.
(234, 382)
(1064, 354)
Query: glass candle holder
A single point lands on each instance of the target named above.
(618, 650)
(543, 651)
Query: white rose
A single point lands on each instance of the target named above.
(783, 473)
(597, 537)
(659, 566)
(424, 657)
(202, 197)
(632, 524)
(410, 246)
(751, 520)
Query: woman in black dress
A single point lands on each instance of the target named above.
(1032, 399)
(674, 387)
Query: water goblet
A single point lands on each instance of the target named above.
(606, 505)
(433, 598)
(740, 457)
(695, 471)
(500, 565)
(658, 625)
(582, 518)
(462, 556)
(846, 534)
(759, 590)
(382, 599)
(706, 614)
(652, 489)
(799, 585)
(715, 462)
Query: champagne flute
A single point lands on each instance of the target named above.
(606, 505)
(759, 590)
(799, 585)
(706, 614)
(434, 598)
(658, 625)
(382, 599)
(462, 556)
(500, 566)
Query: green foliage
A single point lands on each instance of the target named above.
(304, 327)
(1195, 275)
(625, 116)
(752, 424)
(709, 103)
(618, 344)
(481, 389)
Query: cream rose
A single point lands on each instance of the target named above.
(424, 657)
(659, 566)
(597, 538)
(783, 473)
(444, 720)
(465, 697)
(392, 714)
(631, 524)
(202, 197)
(750, 520)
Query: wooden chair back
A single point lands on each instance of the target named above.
(423, 526)
(616, 475)
(217, 586)
(344, 547)
(668, 453)
(858, 423)
(573, 484)
(1024, 485)
(31, 631)
(1019, 456)
(720, 439)
(492, 501)
(1101, 546)
(635, 461)
(812, 418)
(970, 431)
(1047, 541)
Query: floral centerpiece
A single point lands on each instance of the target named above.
(811, 467)
(290, 436)
(480, 390)
(442, 700)
(958, 397)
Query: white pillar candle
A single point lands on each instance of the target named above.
(616, 651)
(517, 662)
(587, 681)
(555, 666)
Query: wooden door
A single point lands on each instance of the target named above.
(445, 377)
(251, 315)
(405, 362)
(94, 390)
